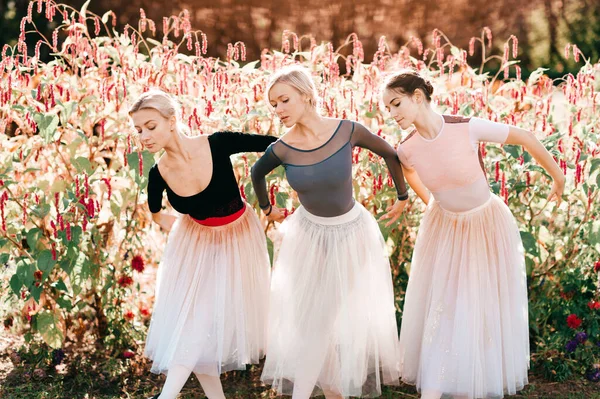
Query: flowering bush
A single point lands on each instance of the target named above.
(75, 232)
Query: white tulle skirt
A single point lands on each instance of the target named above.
(332, 324)
(465, 322)
(211, 302)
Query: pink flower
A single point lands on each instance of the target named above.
(573, 321)
(597, 267)
(128, 354)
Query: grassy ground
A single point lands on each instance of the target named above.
(96, 375)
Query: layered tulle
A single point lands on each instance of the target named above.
(332, 324)
(465, 321)
(212, 297)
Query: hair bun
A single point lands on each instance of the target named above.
(428, 86)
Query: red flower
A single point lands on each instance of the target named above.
(38, 274)
(593, 305)
(129, 315)
(573, 321)
(128, 354)
(125, 281)
(137, 263)
(597, 267)
(144, 312)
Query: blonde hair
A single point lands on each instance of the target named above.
(156, 99)
(297, 77)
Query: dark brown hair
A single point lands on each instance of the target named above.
(407, 81)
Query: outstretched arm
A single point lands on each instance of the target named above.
(527, 139)
(259, 171)
(234, 142)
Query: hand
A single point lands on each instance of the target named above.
(168, 221)
(164, 220)
(558, 187)
(276, 215)
(394, 212)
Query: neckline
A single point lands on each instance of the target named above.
(319, 147)
(437, 135)
(212, 174)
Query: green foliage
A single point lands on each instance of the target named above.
(73, 176)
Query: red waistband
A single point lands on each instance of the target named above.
(221, 221)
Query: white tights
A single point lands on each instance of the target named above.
(178, 376)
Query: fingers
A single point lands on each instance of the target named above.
(394, 219)
(554, 194)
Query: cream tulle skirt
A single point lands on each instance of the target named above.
(332, 323)
(465, 322)
(211, 300)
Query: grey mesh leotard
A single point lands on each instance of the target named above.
(322, 177)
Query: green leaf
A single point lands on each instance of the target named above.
(250, 66)
(47, 125)
(48, 327)
(552, 138)
(83, 165)
(249, 191)
(76, 232)
(153, 42)
(73, 260)
(270, 249)
(456, 52)
(33, 236)
(4, 257)
(67, 110)
(45, 262)
(115, 208)
(16, 284)
(281, 199)
(105, 17)
(513, 150)
(41, 210)
(529, 265)
(530, 243)
(36, 292)
(84, 8)
(535, 75)
(25, 272)
(58, 186)
(594, 166)
(134, 164)
(60, 285)
(65, 303)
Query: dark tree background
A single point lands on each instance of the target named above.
(543, 27)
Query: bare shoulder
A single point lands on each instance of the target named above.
(332, 122)
(291, 137)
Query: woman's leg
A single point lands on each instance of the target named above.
(176, 379)
(332, 395)
(211, 385)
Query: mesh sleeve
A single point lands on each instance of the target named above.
(260, 170)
